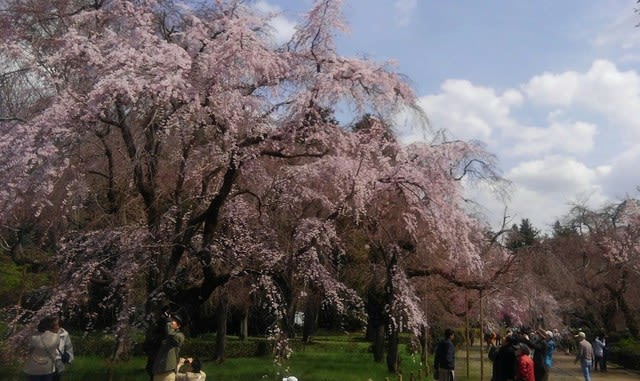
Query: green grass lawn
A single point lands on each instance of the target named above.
(330, 358)
(307, 366)
(348, 361)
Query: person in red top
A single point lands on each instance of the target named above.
(525, 364)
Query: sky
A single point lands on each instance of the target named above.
(552, 88)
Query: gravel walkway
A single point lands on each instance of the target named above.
(565, 369)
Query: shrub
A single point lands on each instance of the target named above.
(94, 345)
(625, 352)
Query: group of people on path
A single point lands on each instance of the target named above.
(49, 351)
(512, 359)
(523, 357)
(591, 356)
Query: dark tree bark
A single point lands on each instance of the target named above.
(392, 351)
(311, 312)
(376, 323)
(244, 324)
(617, 291)
(222, 311)
(378, 342)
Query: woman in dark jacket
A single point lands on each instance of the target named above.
(445, 357)
(506, 362)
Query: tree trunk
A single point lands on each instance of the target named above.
(392, 354)
(123, 345)
(425, 349)
(629, 316)
(244, 325)
(221, 328)
(378, 342)
(617, 294)
(289, 320)
(482, 334)
(310, 318)
(608, 317)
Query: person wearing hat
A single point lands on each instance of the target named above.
(551, 347)
(584, 355)
(166, 362)
(538, 343)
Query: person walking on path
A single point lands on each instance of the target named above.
(598, 351)
(166, 362)
(584, 354)
(445, 357)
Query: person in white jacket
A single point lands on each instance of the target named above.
(192, 370)
(64, 351)
(39, 365)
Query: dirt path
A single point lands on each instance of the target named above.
(565, 369)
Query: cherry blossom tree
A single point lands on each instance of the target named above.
(609, 260)
(588, 265)
(176, 147)
(156, 109)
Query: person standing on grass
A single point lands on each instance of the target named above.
(166, 362)
(64, 351)
(584, 355)
(42, 347)
(445, 357)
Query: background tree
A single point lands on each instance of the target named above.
(522, 236)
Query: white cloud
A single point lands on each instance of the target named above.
(469, 111)
(546, 187)
(553, 89)
(556, 174)
(404, 11)
(603, 89)
(554, 162)
(543, 191)
(558, 137)
(622, 175)
(283, 28)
